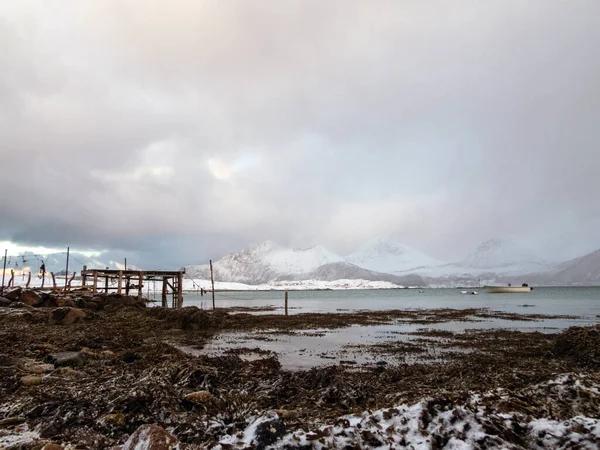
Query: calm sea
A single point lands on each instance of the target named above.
(579, 301)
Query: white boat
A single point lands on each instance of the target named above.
(508, 289)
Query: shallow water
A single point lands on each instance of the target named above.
(312, 348)
(580, 301)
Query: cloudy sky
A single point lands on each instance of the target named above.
(176, 131)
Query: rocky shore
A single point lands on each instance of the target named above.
(104, 372)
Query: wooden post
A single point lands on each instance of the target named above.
(286, 303)
(3, 272)
(70, 281)
(28, 280)
(180, 290)
(95, 283)
(83, 276)
(43, 276)
(127, 282)
(164, 292)
(120, 283)
(67, 270)
(141, 284)
(106, 283)
(212, 282)
(11, 282)
(53, 280)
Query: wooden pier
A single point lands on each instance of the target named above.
(127, 280)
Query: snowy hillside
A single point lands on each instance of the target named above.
(385, 255)
(263, 263)
(504, 256)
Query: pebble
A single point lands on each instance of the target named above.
(151, 437)
(31, 380)
(200, 397)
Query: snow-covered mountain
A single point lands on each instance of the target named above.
(579, 271)
(503, 256)
(386, 255)
(264, 262)
(55, 262)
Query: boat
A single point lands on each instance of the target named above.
(469, 292)
(509, 289)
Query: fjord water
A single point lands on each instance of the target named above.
(576, 301)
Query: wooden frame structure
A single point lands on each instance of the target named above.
(169, 279)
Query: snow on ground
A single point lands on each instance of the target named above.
(430, 423)
(196, 284)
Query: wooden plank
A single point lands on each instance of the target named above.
(180, 291)
(120, 283)
(140, 285)
(95, 283)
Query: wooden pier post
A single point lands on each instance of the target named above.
(28, 280)
(180, 290)
(83, 276)
(71, 281)
(106, 283)
(53, 280)
(43, 276)
(164, 292)
(141, 284)
(286, 303)
(212, 282)
(127, 282)
(95, 283)
(120, 283)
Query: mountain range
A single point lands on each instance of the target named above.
(383, 259)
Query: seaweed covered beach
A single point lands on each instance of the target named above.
(105, 371)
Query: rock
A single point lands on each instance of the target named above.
(52, 447)
(4, 302)
(13, 293)
(66, 316)
(31, 380)
(150, 437)
(62, 302)
(200, 397)
(30, 298)
(267, 433)
(115, 420)
(38, 368)
(284, 414)
(20, 305)
(63, 359)
(107, 354)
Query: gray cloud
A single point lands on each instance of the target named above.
(180, 131)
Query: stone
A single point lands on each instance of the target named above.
(4, 302)
(30, 298)
(285, 414)
(62, 302)
(66, 316)
(107, 354)
(151, 437)
(52, 447)
(13, 293)
(199, 397)
(20, 305)
(267, 433)
(31, 380)
(117, 420)
(63, 359)
(38, 368)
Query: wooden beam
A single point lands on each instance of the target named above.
(28, 280)
(140, 285)
(120, 283)
(95, 283)
(53, 280)
(83, 276)
(164, 292)
(106, 284)
(180, 290)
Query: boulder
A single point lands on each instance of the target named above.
(37, 367)
(30, 298)
(4, 302)
(267, 433)
(62, 302)
(66, 316)
(200, 397)
(31, 380)
(20, 305)
(151, 437)
(52, 447)
(13, 293)
(63, 359)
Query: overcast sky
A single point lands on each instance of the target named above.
(177, 131)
